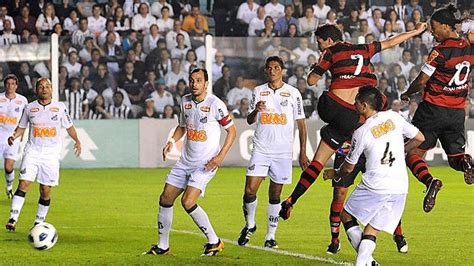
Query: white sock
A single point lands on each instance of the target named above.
(9, 179)
(17, 204)
(165, 219)
(364, 255)
(355, 235)
(249, 213)
(201, 219)
(43, 207)
(272, 220)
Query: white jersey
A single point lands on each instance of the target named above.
(202, 122)
(45, 127)
(275, 126)
(10, 114)
(381, 139)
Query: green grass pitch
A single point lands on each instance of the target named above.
(109, 217)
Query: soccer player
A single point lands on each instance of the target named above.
(274, 107)
(445, 82)
(45, 118)
(379, 199)
(350, 67)
(11, 108)
(202, 115)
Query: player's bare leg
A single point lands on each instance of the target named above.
(249, 206)
(165, 219)
(200, 218)
(337, 204)
(17, 204)
(43, 203)
(274, 192)
(307, 178)
(420, 170)
(9, 176)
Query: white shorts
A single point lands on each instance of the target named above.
(279, 170)
(10, 152)
(183, 175)
(382, 211)
(44, 170)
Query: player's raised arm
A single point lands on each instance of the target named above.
(417, 85)
(390, 42)
(71, 131)
(178, 133)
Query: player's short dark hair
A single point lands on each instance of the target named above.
(329, 31)
(198, 69)
(10, 76)
(371, 96)
(274, 59)
(447, 15)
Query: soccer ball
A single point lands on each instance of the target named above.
(43, 236)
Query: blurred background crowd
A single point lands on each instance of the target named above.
(131, 58)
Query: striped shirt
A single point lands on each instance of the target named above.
(93, 115)
(122, 112)
(74, 102)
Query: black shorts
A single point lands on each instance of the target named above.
(443, 123)
(349, 179)
(341, 118)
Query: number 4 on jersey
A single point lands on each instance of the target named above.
(387, 156)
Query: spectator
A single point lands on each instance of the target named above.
(383, 86)
(181, 49)
(397, 24)
(376, 22)
(168, 113)
(71, 22)
(96, 22)
(416, 16)
(80, 35)
(90, 93)
(149, 111)
(138, 65)
(298, 73)
(346, 36)
(269, 31)
(118, 110)
(284, 22)
(413, 74)
(163, 65)
(331, 17)
(242, 110)
(62, 82)
(364, 10)
(150, 84)
(342, 9)
(7, 36)
(111, 8)
(97, 109)
(217, 66)
(396, 106)
(429, 7)
(359, 35)
(114, 54)
(157, 8)
(84, 7)
(418, 50)
(411, 6)
(321, 10)
(165, 22)
(72, 64)
(84, 74)
(410, 113)
(257, 23)
(151, 40)
(190, 61)
(246, 13)
(189, 22)
(307, 96)
(400, 87)
(14, 7)
(85, 54)
(351, 24)
(63, 9)
(26, 82)
(400, 9)
(198, 33)
(109, 27)
(406, 63)
(308, 24)
(238, 92)
(46, 20)
(75, 99)
(110, 91)
(102, 77)
(138, 48)
(133, 86)
(161, 96)
(181, 90)
(58, 29)
(298, 8)
(303, 51)
(142, 22)
(25, 21)
(42, 69)
(176, 74)
(171, 36)
(224, 84)
(96, 59)
(130, 40)
(4, 16)
(122, 22)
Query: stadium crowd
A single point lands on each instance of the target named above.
(131, 58)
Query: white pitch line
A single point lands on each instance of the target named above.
(278, 251)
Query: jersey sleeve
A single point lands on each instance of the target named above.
(373, 48)
(409, 130)
(181, 118)
(66, 120)
(324, 63)
(222, 115)
(24, 119)
(357, 147)
(435, 60)
(298, 112)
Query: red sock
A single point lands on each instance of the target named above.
(307, 178)
(398, 230)
(419, 169)
(335, 219)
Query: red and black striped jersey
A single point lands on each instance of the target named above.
(448, 66)
(349, 64)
